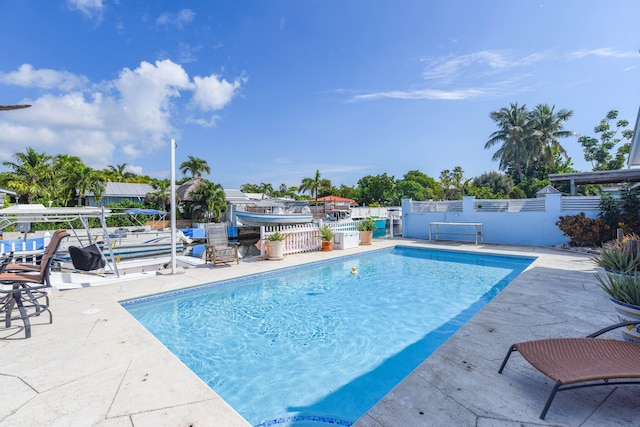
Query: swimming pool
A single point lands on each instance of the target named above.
(315, 344)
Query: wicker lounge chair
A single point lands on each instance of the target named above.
(218, 249)
(582, 362)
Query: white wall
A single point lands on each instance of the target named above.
(523, 228)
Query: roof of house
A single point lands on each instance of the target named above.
(125, 189)
(547, 189)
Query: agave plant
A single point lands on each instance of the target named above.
(620, 257)
(326, 233)
(621, 287)
(367, 224)
(276, 237)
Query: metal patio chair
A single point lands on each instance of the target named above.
(25, 286)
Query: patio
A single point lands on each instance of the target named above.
(95, 365)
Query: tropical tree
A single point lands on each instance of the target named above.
(209, 200)
(379, 189)
(250, 188)
(347, 191)
(161, 194)
(453, 184)
(515, 126)
(284, 191)
(30, 175)
(493, 185)
(547, 127)
(115, 173)
(195, 166)
(407, 189)
(88, 180)
(65, 178)
(266, 188)
(431, 187)
(314, 185)
(599, 151)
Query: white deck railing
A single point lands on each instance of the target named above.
(17, 246)
(304, 237)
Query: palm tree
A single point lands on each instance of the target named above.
(210, 199)
(116, 173)
(515, 127)
(66, 167)
(30, 175)
(88, 180)
(161, 194)
(548, 126)
(196, 166)
(266, 189)
(314, 185)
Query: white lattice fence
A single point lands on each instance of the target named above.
(300, 237)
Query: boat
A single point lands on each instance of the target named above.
(338, 215)
(258, 219)
(274, 212)
(113, 245)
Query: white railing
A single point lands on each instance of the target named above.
(367, 212)
(447, 206)
(300, 237)
(568, 203)
(305, 237)
(581, 203)
(17, 246)
(515, 205)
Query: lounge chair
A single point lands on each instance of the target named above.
(218, 249)
(582, 362)
(24, 286)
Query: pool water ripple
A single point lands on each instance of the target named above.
(321, 342)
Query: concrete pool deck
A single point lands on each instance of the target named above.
(96, 366)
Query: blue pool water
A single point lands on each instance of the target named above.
(317, 345)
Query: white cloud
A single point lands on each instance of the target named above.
(485, 73)
(187, 53)
(432, 94)
(90, 8)
(133, 114)
(145, 95)
(214, 94)
(43, 78)
(477, 64)
(176, 20)
(604, 52)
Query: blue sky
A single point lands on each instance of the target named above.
(273, 90)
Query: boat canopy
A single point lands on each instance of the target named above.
(39, 213)
(136, 211)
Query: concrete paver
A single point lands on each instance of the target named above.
(95, 365)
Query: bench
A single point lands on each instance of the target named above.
(478, 229)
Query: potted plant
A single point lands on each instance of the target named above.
(621, 282)
(366, 227)
(326, 235)
(275, 245)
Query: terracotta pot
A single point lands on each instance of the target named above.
(366, 237)
(327, 246)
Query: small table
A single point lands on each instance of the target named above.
(478, 229)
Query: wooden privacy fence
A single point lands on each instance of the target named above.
(304, 237)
